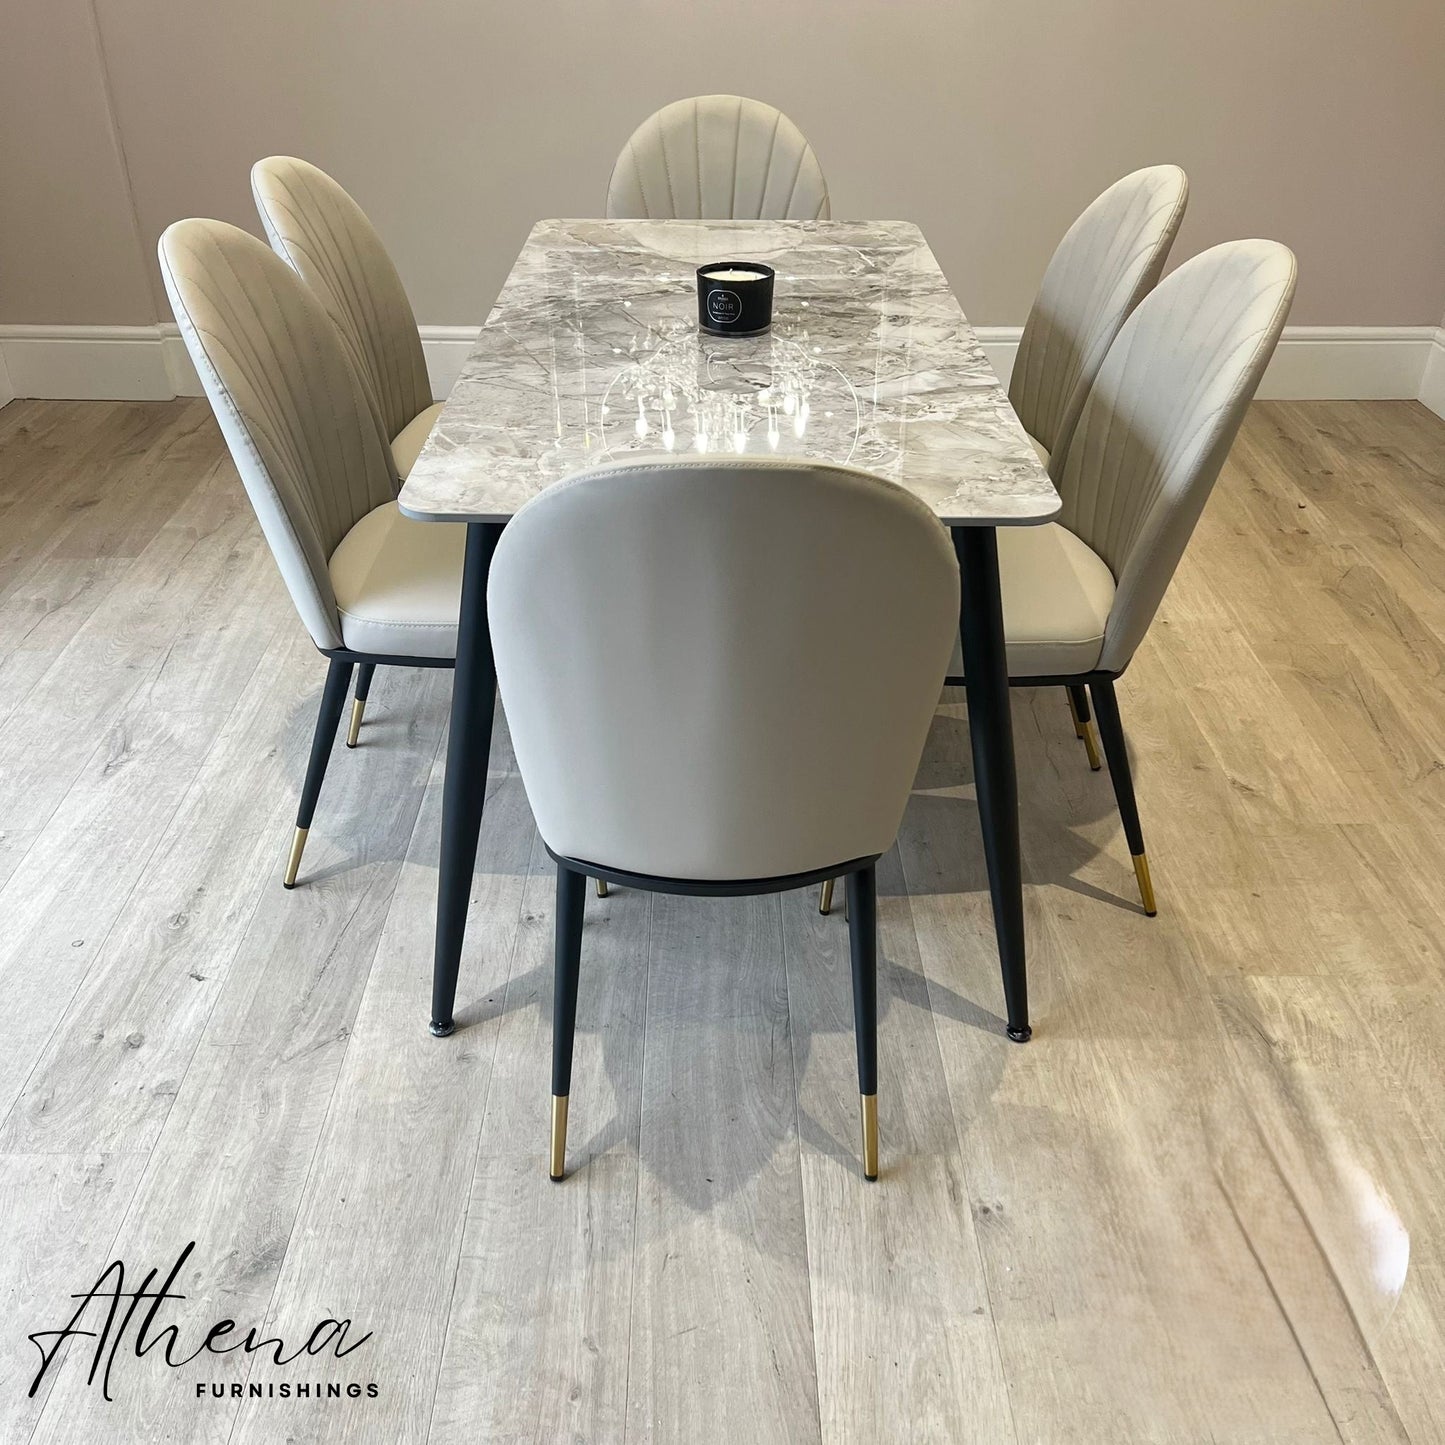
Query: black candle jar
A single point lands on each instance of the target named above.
(735, 298)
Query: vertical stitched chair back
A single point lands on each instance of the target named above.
(718, 158)
(721, 670)
(292, 409)
(1161, 417)
(319, 231)
(1109, 259)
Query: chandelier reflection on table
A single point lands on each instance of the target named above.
(765, 397)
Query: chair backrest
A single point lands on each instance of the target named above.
(319, 231)
(718, 158)
(1161, 416)
(291, 407)
(1109, 259)
(777, 634)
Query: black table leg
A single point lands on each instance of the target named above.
(990, 727)
(464, 792)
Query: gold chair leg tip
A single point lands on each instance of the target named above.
(1091, 747)
(293, 863)
(557, 1160)
(825, 898)
(602, 889)
(1146, 885)
(869, 1112)
(354, 731)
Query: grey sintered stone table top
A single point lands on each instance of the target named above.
(593, 353)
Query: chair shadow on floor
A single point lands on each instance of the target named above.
(1058, 795)
(703, 1175)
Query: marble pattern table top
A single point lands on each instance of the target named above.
(593, 354)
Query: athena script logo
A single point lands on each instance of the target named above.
(125, 1322)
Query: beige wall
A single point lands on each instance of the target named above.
(69, 248)
(991, 122)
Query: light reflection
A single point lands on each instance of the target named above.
(1328, 1190)
(1386, 1241)
(738, 398)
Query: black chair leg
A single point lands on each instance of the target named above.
(358, 706)
(571, 895)
(1079, 709)
(333, 699)
(862, 894)
(1111, 730)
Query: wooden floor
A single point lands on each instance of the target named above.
(1204, 1204)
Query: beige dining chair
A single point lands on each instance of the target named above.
(326, 238)
(718, 158)
(700, 752)
(1108, 261)
(1152, 435)
(371, 586)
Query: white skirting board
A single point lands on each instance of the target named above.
(1318, 363)
(149, 363)
(1432, 384)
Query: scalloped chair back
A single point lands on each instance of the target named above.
(718, 158)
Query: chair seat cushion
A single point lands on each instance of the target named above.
(1057, 594)
(398, 584)
(406, 445)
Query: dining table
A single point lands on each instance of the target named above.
(593, 352)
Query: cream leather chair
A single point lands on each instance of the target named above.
(1108, 261)
(371, 586)
(326, 238)
(699, 752)
(1152, 435)
(718, 158)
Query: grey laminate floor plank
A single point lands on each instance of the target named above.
(539, 1328)
(61, 901)
(904, 1334)
(48, 452)
(722, 1326)
(59, 1212)
(171, 634)
(172, 685)
(115, 1063)
(381, 1219)
(1315, 1056)
(273, 1025)
(1093, 1147)
(69, 683)
(1202, 1203)
(73, 469)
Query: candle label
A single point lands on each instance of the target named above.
(724, 307)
